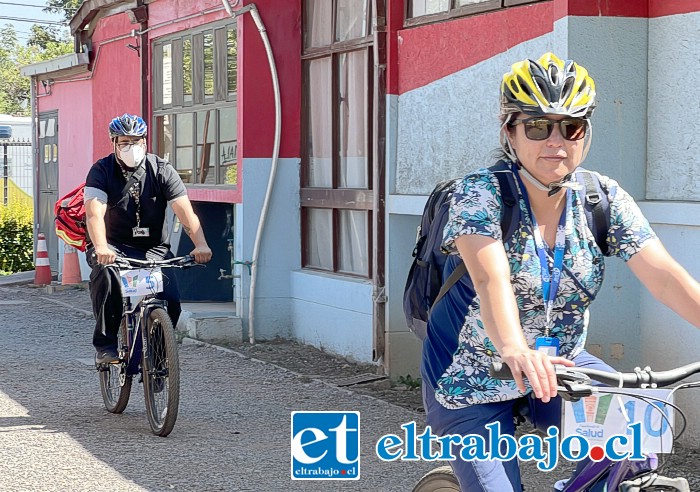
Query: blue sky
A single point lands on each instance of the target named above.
(35, 12)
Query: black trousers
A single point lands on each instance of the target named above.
(106, 294)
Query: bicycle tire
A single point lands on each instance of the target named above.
(115, 385)
(160, 368)
(441, 479)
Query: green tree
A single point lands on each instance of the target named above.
(67, 8)
(14, 88)
(44, 36)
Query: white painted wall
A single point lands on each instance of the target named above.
(332, 312)
(451, 126)
(280, 251)
(668, 340)
(674, 108)
(614, 51)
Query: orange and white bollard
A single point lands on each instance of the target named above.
(71, 266)
(42, 271)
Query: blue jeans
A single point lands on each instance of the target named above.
(494, 476)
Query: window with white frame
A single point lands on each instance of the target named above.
(194, 103)
(336, 188)
(420, 11)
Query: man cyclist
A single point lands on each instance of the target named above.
(130, 221)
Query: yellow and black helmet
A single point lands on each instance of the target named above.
(548, 86)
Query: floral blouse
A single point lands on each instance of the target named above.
(456, 358)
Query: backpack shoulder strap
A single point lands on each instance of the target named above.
(510, 214)
(157, 164)
(596, 208)
(454, 277)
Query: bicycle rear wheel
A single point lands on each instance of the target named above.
(114, 382)
(161, 373)
(441, 479)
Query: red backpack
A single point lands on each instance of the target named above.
(70, 218)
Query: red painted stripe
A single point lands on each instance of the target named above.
(609, 8)
(632, 8)
(394, 21)
(436, 50)
(216, 194)
(661, 8)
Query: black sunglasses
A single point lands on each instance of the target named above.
(541, 128)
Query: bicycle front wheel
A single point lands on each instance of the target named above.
(114, 382)
(160, 367)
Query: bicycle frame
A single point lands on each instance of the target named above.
(613, 473)
(136, 317)
(606, 474)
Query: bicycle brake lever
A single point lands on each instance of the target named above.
(574, 391)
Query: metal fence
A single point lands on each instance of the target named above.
(16, 176)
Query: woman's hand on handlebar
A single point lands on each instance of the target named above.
(538, 368)
(202, 254)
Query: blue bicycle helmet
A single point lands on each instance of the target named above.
(127, 125)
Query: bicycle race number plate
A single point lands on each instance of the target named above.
(598, 417)
(141, 282)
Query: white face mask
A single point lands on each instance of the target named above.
(132, 157)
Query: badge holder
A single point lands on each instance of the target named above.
(548, 345)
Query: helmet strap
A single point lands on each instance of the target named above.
(505, 142)
(551, 188)
(533, 180)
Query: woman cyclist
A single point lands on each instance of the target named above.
(525, 298)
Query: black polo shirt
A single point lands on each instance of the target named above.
(160, 184)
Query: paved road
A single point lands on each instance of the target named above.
(233, 431)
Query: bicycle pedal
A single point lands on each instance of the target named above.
(104, 366)
(655, 482)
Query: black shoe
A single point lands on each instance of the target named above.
(106, 356)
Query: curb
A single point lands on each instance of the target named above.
(22, 278)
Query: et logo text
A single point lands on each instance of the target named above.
(325, 445)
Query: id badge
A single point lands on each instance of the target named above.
(548, 345)
(140, 232)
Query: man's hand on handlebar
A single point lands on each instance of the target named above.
(202, 254)
(538, 368)
(104, 255)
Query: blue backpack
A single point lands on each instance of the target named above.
(424, 285)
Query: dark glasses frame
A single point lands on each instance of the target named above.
(571, 129)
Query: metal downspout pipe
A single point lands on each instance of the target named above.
(275, 156)
(145, 60)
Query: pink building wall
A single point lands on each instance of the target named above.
(116, 80)
(113, 86)
(74, 104)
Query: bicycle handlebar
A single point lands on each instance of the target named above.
(178, 262)
(581, 376)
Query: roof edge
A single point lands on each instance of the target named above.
(89, 9)
(57, 64)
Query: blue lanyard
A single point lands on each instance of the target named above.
(550, 279)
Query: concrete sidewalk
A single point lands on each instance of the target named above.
(21, 278)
